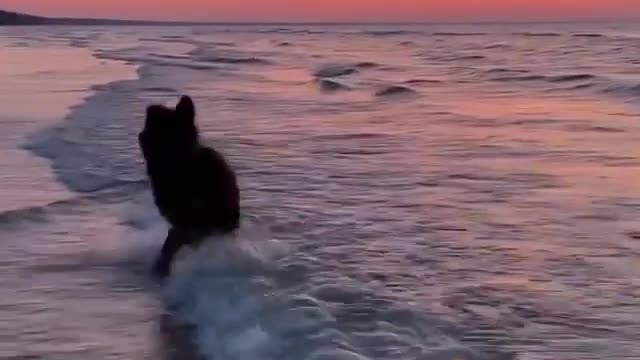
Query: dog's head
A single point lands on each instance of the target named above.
(168, 130)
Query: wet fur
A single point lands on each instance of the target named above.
(193, 186)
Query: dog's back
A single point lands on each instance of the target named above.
(198, 192)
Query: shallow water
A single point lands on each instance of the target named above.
(416, 192)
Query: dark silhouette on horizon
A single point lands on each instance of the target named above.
(15, 19)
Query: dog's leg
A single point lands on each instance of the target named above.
(173, 243)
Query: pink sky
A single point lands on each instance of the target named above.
(335, 10)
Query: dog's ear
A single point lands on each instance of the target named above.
(186, 110)
(153, 110)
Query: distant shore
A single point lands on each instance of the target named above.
(8, 18)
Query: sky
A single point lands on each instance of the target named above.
(336, 10)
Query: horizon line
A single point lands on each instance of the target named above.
(168, 22)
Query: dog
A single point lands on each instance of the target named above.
(194, 187)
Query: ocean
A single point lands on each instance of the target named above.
(409, 192)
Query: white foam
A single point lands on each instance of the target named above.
(216, 289)
(227, 292)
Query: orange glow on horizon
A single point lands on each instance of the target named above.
(336, 10)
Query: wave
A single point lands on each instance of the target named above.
(366, 65)
(423, 81)
(31, 214)
(351, 136)
(235, 60)
(623, 89)
(20, 43)
(159, 89)
(172, 37)
(592, 128)
(170, 56)
(224, 43)
(583, 86)
(395, 90)
(333, 70)
(95, 147)
(214, 291)
(456, 57)
(290, 31)
(469, 57)
(507, 70)
(141, 57)
(587, 35)
(205, 54)
(552, 78)
(600, 84)
(534, 34)
(571, 77)
(118, 191)
(521, 78)
(186, 65)
(459, 34)
(165, 60)
(248, 296)
(497, 46)
(389, 32)
(327, 85)
(165, 39)
(79, 43)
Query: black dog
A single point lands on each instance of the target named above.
(193, 186)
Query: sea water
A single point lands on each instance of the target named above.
(408, 192)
